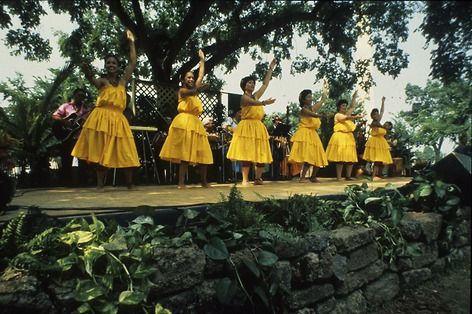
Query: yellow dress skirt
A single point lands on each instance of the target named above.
(106, 137)
(342, 145)
(377, 148)
(306, 144)
(187, 139)
(250, 140)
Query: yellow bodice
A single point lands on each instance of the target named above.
(378, 131)
(310, 122)
(252, 113)
(190, 104)
(112, 96)
(345, 126)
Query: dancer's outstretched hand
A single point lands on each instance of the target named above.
(201, 55)
(130, 35)
(269, 101)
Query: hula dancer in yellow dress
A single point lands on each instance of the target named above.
(187, 142)
(250, 143)
(377, 150)
(307, 148)
(106, 137)
(342, 145)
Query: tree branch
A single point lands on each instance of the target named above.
(221, 49)
(138, 14)
(194, 17)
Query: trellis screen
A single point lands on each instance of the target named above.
(155, 104)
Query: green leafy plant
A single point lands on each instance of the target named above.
(102, 270)
(380, 209)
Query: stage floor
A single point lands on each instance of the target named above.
(83, 201)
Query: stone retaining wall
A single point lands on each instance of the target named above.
(325, 272)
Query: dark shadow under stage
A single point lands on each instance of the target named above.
(70, 202)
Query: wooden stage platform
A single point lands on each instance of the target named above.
(67, 202)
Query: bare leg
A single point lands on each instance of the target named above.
(305, 167)
(203, 174)
(259, 170)
(339, 170)
(245, 170)
(129, 178)
(183, 168)
(101, 172)
(313, 174)
(349, 171)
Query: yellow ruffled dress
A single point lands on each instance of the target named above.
(306, 144)
(250, 139)
(106, 137)
(342, 145)
(187, 139)
(377, 148)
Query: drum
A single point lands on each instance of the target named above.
(399, 166)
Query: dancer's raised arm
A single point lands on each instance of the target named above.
(353, 103)
(201, 70)
(266, 81)
(382, 107)
(320, 102)
(132, 58)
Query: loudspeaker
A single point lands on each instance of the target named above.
(234, 103)
(455, 168)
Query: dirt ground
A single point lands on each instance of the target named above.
(448, 292)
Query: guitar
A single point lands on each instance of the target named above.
(64, 131)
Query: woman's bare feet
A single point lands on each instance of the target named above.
(181, 187)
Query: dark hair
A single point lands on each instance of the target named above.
(389, 123)
(340, 103)
(375, 110)
(110, 55)
(302, 96)
(246, 79)
(79, 89)
(182, 76)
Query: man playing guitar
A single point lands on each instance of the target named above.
(67, 122)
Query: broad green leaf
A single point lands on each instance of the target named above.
(106, 280)
(159, 309)
(67, 262)
(97, 226)
(87, 290)
(237, 235)
(131, 297)
(77, 237)
(216, 249)
(252, 267)
(84, 308)
(143, 271)
(107, 308)
(425, 190)
(190, 213)
(117, 243)
(144, 220)
(266, 258)
(372, 199)
(91, 254)
(454, 200)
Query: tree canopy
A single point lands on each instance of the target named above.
(169, 33)
(438, 112)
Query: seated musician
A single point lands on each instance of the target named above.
(67, 122)
(280, 148)
(232, 168)
(214, 140)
